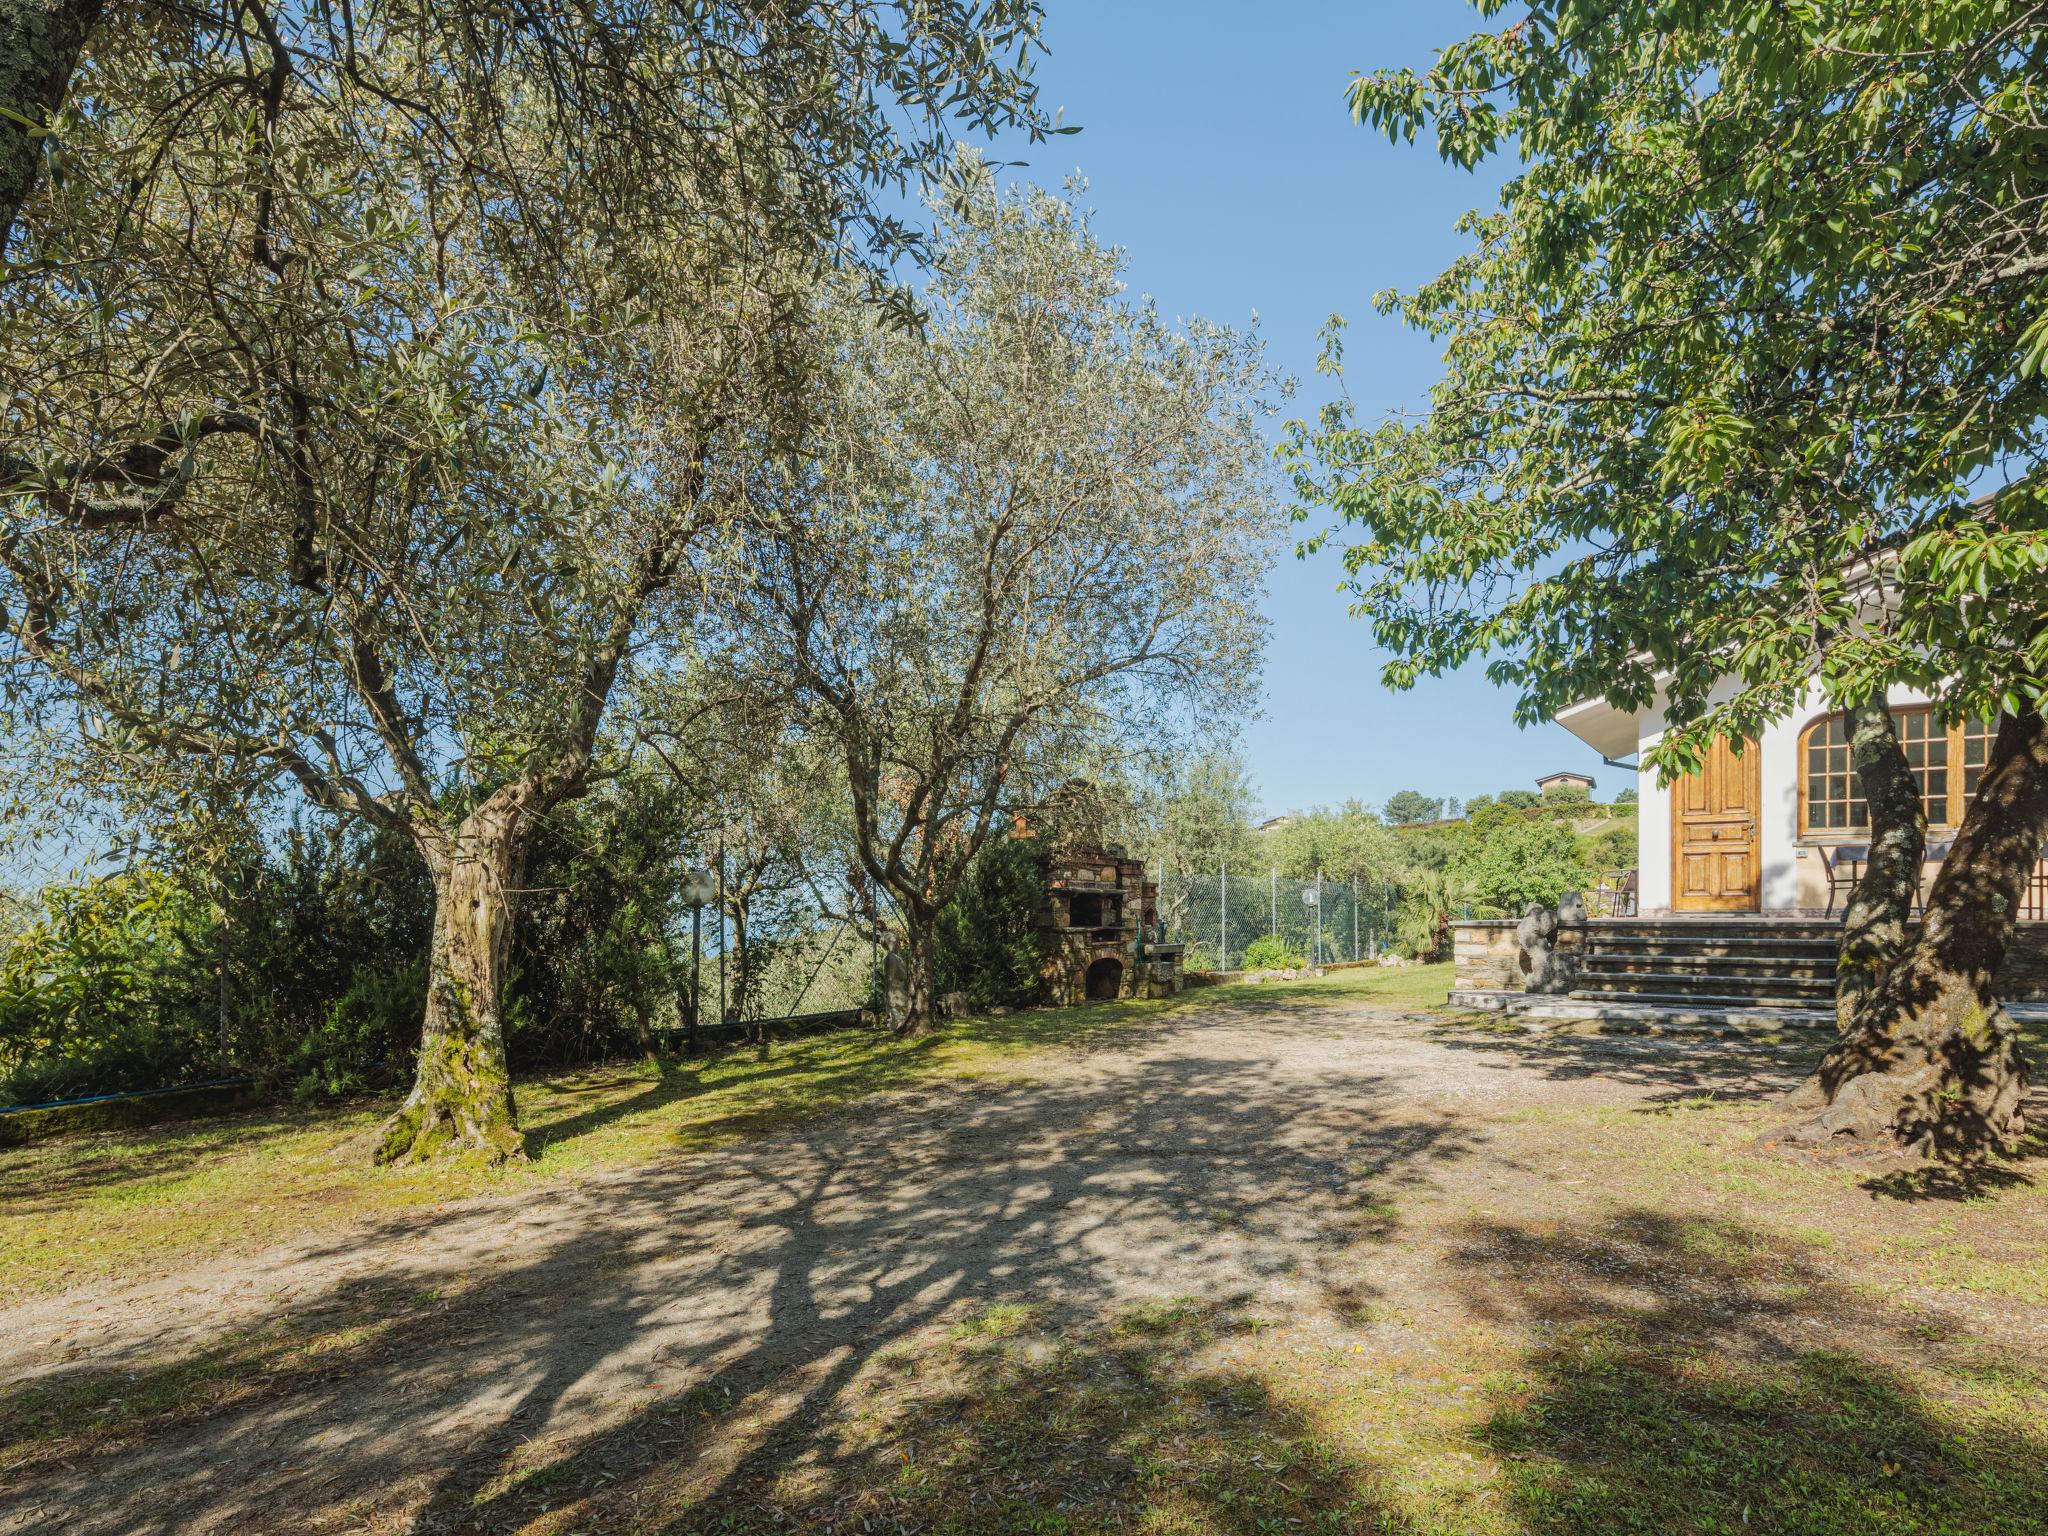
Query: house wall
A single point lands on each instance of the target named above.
(1794, 879)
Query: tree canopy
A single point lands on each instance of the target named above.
(372, 372)
(1409, 805)
(1016, 549)
(1762, 309)
(1768, 292)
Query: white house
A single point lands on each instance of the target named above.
(1763, 829)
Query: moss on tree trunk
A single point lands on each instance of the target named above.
(461, 1098)
(1874, 921)
(1930, 1060)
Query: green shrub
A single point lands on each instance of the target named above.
(362, 1034)
(987, 941)
(1270, 952)
(1613, 847)
(1512, 863)
(93, 995)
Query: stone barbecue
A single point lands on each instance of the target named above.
(1099, 930)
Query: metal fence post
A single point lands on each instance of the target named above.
(1356, 952)
(721, 933)
(1273, 897)
(1223, 920)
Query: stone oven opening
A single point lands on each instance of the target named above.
(1105, 979)
(1093, 909)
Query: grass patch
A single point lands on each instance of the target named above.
(996, 1322)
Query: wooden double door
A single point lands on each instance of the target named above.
(1716, 842)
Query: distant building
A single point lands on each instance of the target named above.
(1551, 781)
(1274, 823)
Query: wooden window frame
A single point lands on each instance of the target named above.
(1955, 766)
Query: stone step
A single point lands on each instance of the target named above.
(1711, 954)
(1789, 928)
(1707, 944)
(1687, 983)
(1822, 966)
(1693, 1000)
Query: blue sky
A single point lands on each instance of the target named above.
(1219, 151)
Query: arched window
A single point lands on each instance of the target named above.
(1947, 760)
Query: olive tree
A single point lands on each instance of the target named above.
(1349, 843)
(1199, 823)
(1769, 288)
(374, 375)
(1021, 545)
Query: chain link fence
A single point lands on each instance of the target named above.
(1220, 916)
(31, 865)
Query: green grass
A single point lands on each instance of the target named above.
(80, 1207)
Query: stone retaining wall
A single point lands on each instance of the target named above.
(1488, 958)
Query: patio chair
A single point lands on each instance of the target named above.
(1843, 865)
(1614, 894)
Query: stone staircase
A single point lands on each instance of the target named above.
(1708, 963)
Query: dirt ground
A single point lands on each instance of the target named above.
(1404, 1211)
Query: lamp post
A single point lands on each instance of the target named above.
(698, 888)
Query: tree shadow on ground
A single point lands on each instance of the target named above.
(1963, 1183)
(1106, 1429)
(831, 1069)
(525, 1353)
(667, 1083)
(1695, 1376)
(1675, 1067)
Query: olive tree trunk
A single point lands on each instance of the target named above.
(40, 41)
(1874, 921)
(742, 988)
(1930, 1060)
(461, 1097)
(921, 956)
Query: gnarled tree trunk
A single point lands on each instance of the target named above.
(1874, 921)
(40, 41)
(461, 1097)
(1931, 1061)
(921, 956)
